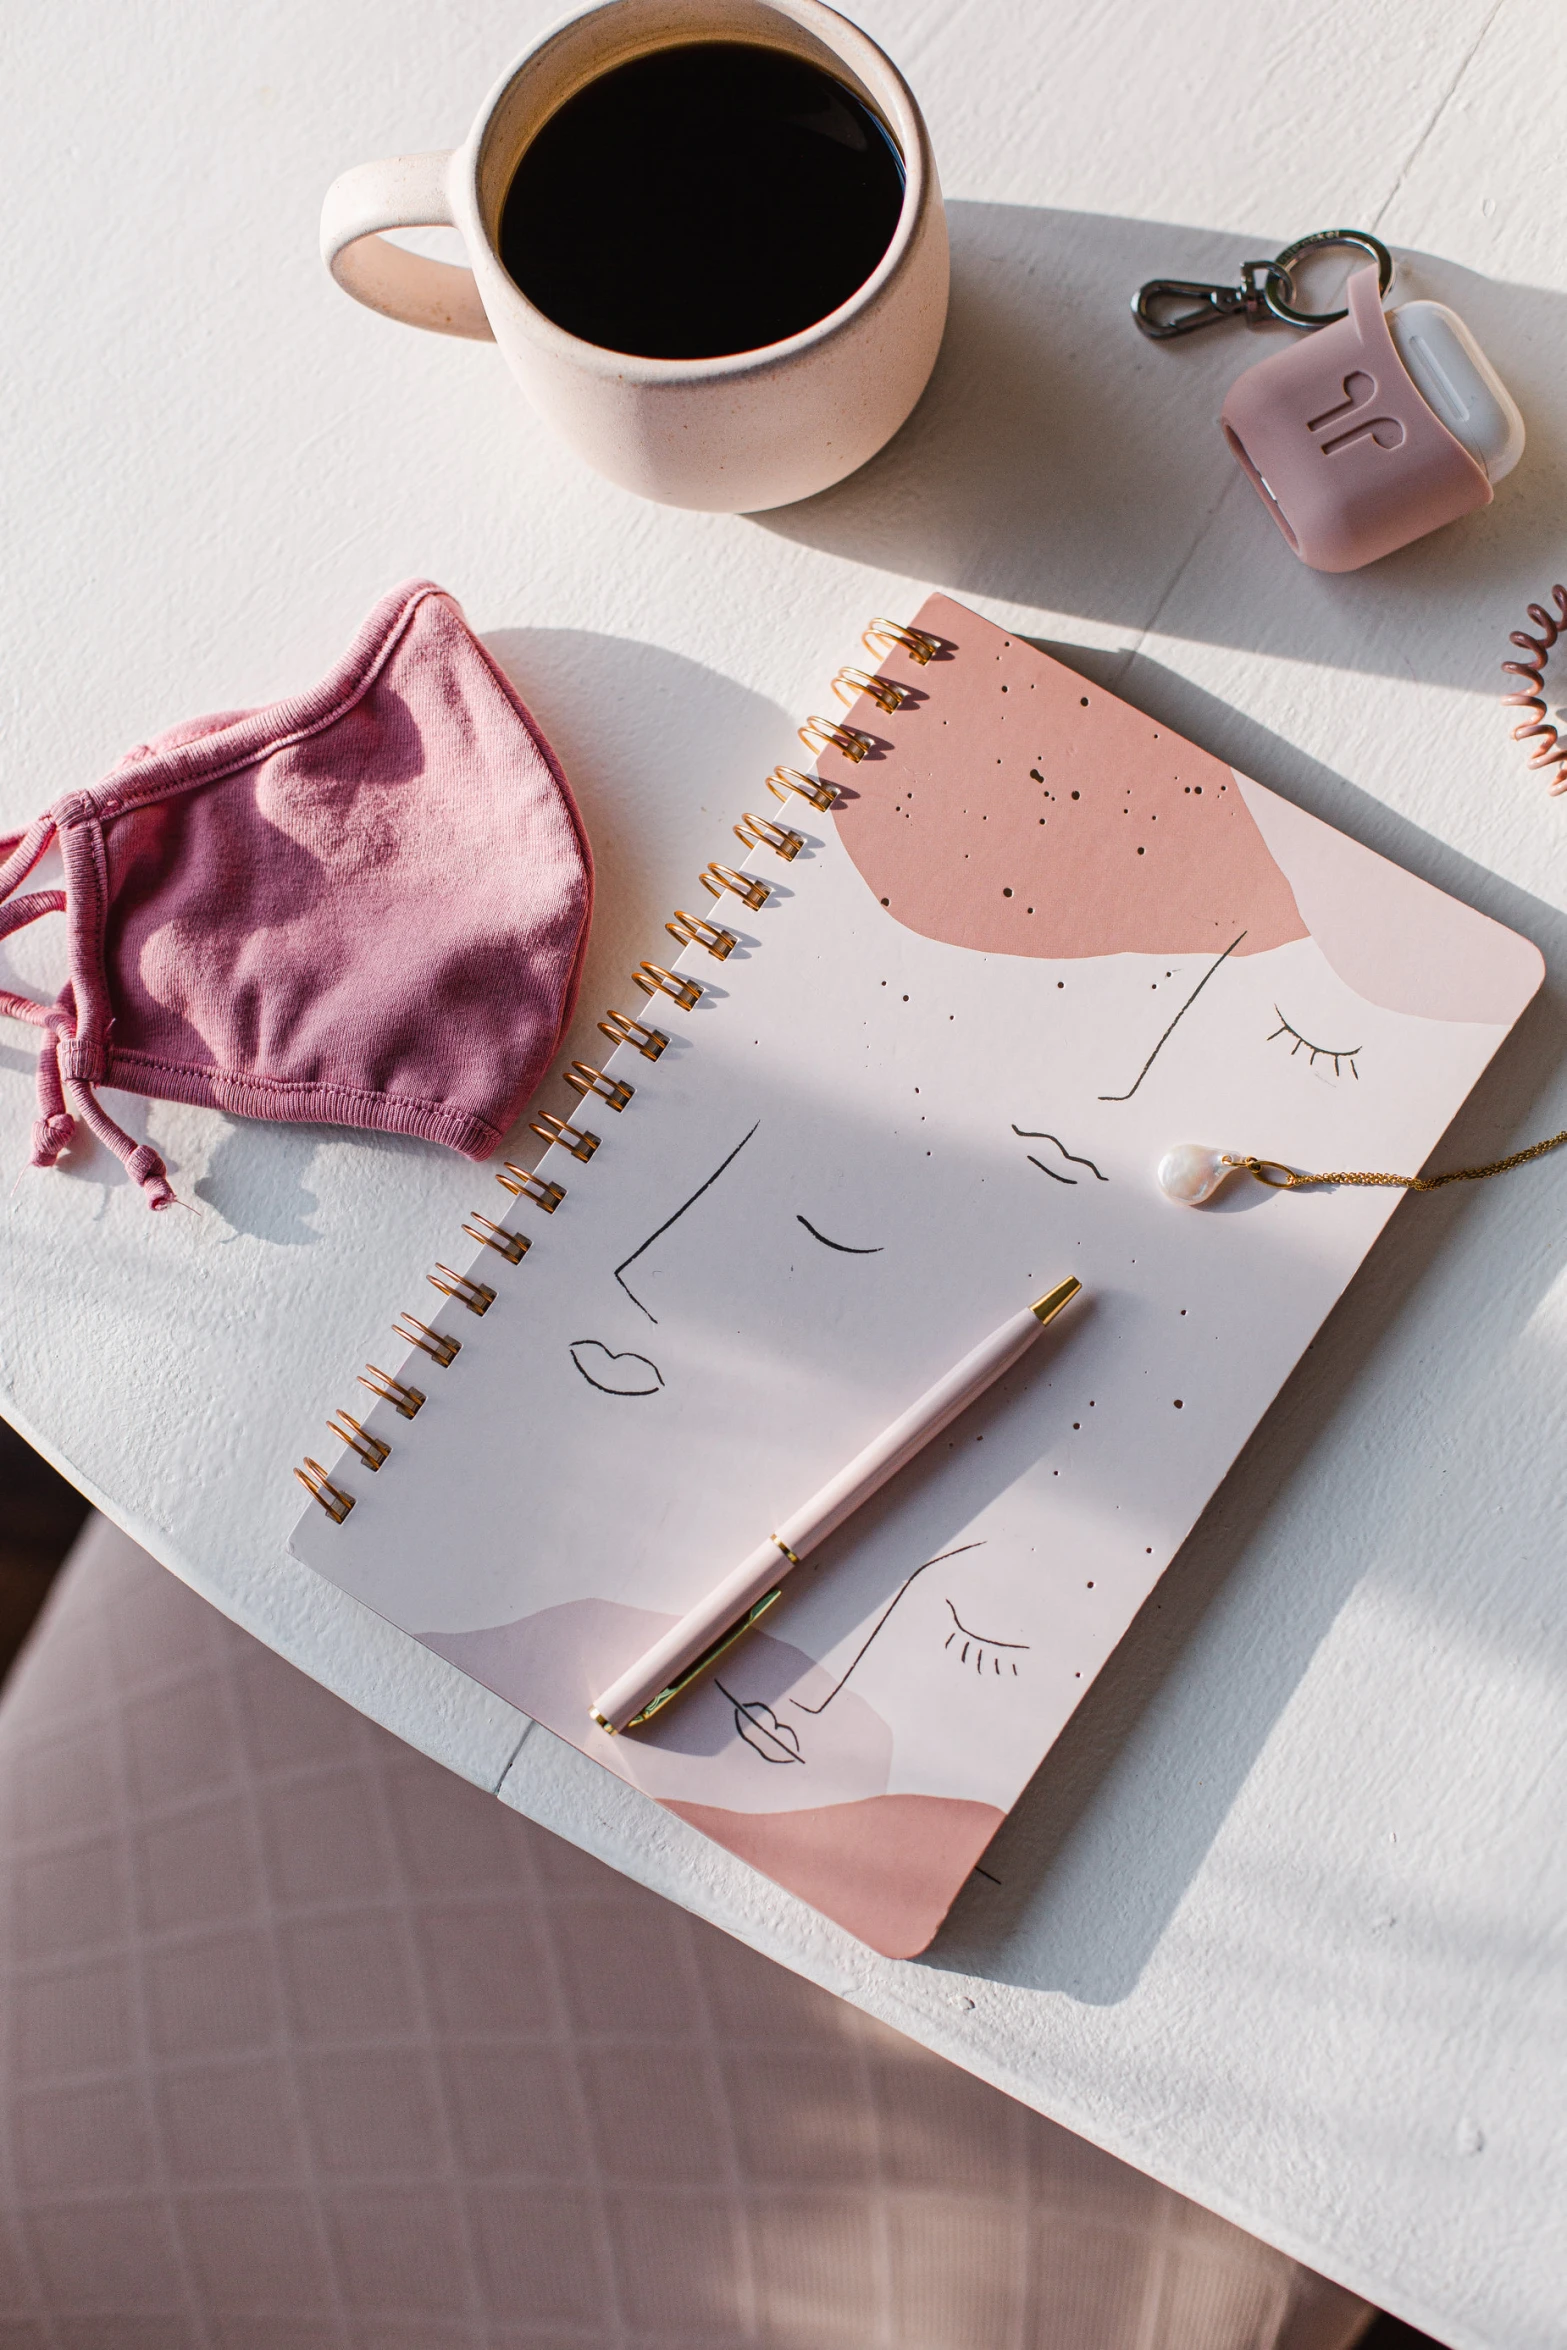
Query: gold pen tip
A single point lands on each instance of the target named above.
(1048, 1306)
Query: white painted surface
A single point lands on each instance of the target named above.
(1282, 1919)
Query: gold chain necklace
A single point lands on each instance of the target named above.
(1282, 1178)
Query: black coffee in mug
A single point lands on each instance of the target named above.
(702, 200)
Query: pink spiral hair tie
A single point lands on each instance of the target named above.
(1549, 751)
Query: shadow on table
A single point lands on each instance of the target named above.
(1033, 1915)
(259, 1188)
(1390, 2333)
(645, 736)
(40, 1517)
(1053, 437)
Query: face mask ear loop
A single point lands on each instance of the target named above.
(84, 1008)
(54, 1126)
(140, 1160)
(21, 911)
(23, 852)
(59, 1095)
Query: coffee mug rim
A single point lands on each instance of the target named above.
(839, 33)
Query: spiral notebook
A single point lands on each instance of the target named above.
(925, 1029)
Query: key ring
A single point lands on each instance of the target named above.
(1322, 240)
(1259, 292)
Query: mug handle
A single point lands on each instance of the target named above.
(405, 191)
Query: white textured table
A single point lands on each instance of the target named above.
(1282, 1918)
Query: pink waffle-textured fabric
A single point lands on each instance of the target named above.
(367, 905)
(306, 2044)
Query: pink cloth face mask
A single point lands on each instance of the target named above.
(366, 906)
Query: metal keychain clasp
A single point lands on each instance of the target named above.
(1266, 290)
(1248, 300)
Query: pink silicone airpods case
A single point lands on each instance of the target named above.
(1345, 453)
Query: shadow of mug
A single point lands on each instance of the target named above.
(1062, 462)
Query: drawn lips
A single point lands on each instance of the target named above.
(612, 1374)
(760, 1727)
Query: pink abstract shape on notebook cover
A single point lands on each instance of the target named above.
(1095, 833)
(1389, 935)
(1099, 831)
(886, 1868)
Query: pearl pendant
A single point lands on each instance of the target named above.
(1191, 1173)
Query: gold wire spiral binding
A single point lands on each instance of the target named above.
(753, 831)
(760, 832)
(849, 684)
(620, 1029)
(477, 1296)
(653, 979)
(434, 1343)
(693, 931)
(751, 892)
(320, 1487)
(372, 1450)
(786, 782)
(524, 1184)
(513, 1246)
(583, 1078)
(818, 734)
(405, 1400)
(575, 1139)
(882, 635)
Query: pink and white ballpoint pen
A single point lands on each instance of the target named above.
(712, 1627)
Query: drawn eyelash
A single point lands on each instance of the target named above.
(1343, 1058)
(981, 1644)
(881, 1621)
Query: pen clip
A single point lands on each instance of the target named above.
(709, 1656)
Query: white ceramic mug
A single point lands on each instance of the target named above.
(749, 430)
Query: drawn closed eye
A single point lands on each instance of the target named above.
(1342, 1056)
(845, 1247)
(981, 1647)
(881, 1623)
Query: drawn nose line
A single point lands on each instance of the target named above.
(1386, 431)
(1358, 389)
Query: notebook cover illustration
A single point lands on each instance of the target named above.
(1038, 941)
